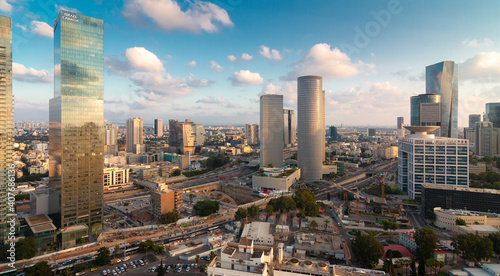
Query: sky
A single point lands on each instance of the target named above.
(210, 61)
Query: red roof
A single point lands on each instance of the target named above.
(399, 248)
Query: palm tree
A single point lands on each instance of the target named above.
(197, 259)
(313, 224)
(212, 255)
(117, 248)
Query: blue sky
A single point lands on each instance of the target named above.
(211, 60)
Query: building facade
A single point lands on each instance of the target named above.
(426, 111)
(76, 120)
(187, 136)
(252, 133)
(289, 130)
(271, 130)
(158, 127)
(473, 119)
(110, 139)
(372, 132)
(310, 126)
(493, 114)
(487, 139)
(134, 135)
(115, 177)
(165, 201)
(6, 119)
(442, 79)
(426, 159)
(400, 127)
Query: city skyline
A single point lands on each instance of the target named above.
(155, 71)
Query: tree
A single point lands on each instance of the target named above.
(313, 225)
(430, 215)
(270, 209)
(206, 207)
(473, 248)
(253, 211)
(117, 248)
(176, 172)
(394, 253)
(170, 217)
(460, 221)
(212, 255)
(301, 215)
(102, 256)
(25, 248)
(426, 241)
(40, 268)
(240, 214)
(389, 225)
(283, 204)
(146, 246)
(161, 270)
(367, 250)
(158, 249)
(495, 239)
(329, 196)
(197, 259)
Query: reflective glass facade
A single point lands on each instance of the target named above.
(473, 119)
(310, 126)
(271, 130)
(289, 127)
(493, 114)
(442, 79)
(6, 140)
(76, 119)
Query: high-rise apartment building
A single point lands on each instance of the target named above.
(470, 132)
(442, 79)
(158, 127)
(473, 119)
(110, 139)
(134, 135)
(493, 114)
(487, 139)
(426, 159)
(426, 111)
(310, 126)
(6, 126)
(76, 122)
(252, 133)
(271, 130)
(334, 136)
(400, 127)
(289, 127)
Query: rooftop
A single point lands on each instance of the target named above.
(40, 223)
(456, 188)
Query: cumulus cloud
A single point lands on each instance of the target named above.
(474, 43)
(39, 28)
(270, 54)
(21, 73)
(245, 77)
(195, 82)
(157, 87)
(136, 58)
(483, 66)
(212, 100)
(66, 8)
(271, 88)
(191, 64)
(167, 14)
(402, 73)
(244, 56)
(5, 6)
(329, 63)
(216, 67)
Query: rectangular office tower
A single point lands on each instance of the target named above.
(110, 139)
(289, 127)
(333, 134)
(76, 121)
(400, 127)
(493, 114)
(6, 126)
(442, 79)
(271, 130)
(158, 127)
(426, 159)
(425, 110)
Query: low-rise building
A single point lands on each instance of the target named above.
(43, 231)
(115, 178)
(259, 232)
(319, 244)
(480, 230)
(275, 179)
(442, 252)
(448, 218)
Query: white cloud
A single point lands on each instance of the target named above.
(191, 64)
(403, 72)
(5, 6)
(57, 70)
(288, 90)
(271, 54)
(245, 77)
(39, 28)
(329, 63)
(212, 100)
(156, 86)
(66, 8)
(216, 67)
(195, 82)
(168, 15)
(474, 43)
(21, 73)
(136, 58)
(143, 60)
(271, 88)
(232, 58)
(246, 56)
(483, 66)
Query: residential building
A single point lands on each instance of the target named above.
(426, 111)
(134, 136)
(400, 127)
(158, 127)
(164, 201)
(115, 178)
(289, 127)
(6, 119)
(39, 201)
(457, 197)
(310, 126)
(259, 232)
(487, 139)
(110, 139)
(441, 253)
(252, 134)
(426, 159)
(442, 79)
(492, 114)
(275, 179)
(271, 130)
(76, 123)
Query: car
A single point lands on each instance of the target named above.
(167, 270)
(133, 266)
(187, 269)
(114, 273)
(104, 273)
(146, 262)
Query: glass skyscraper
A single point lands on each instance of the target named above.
(493, 114)
(473, 119)
(442, 79)
(271, 130)
(289, 127)
(310, 126)
(76, 120)
(425, 110)
(6, 126)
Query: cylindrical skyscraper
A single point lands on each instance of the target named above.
(311, 126)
